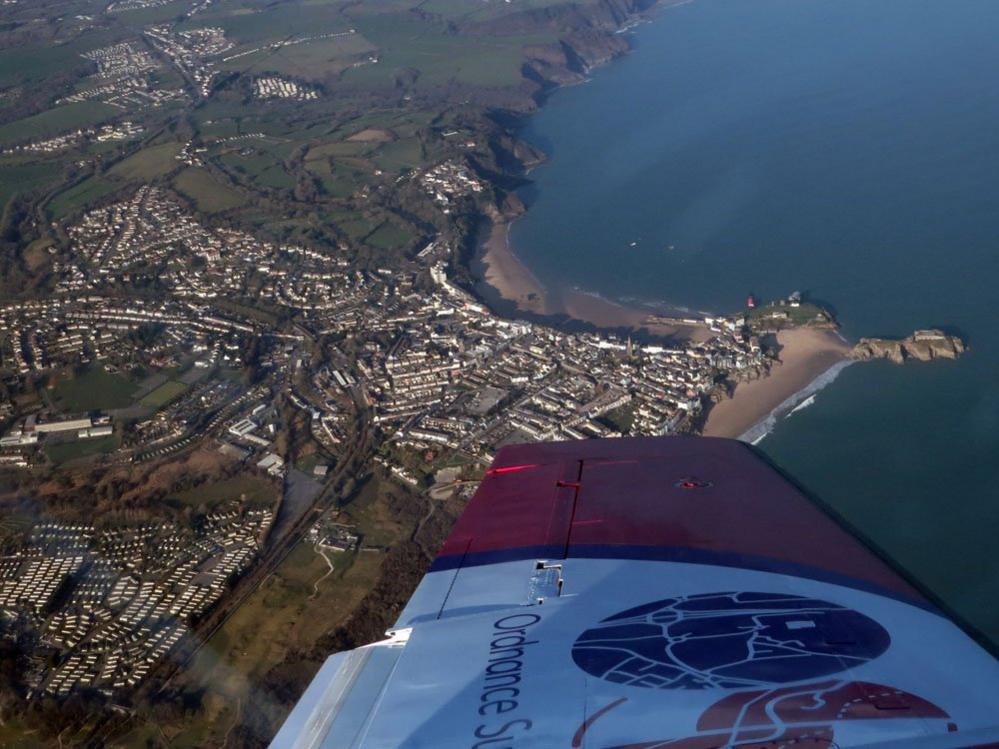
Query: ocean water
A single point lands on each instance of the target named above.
(845, 148)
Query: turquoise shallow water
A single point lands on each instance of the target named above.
(846, 148)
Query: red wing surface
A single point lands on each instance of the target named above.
(640, 593)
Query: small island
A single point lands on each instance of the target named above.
(794, 312)
(922, 345)
(807, 351)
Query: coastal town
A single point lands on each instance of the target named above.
(431, 365)
(403, 352)
(250, 339)
(407, 353)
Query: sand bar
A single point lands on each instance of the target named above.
(805, 354)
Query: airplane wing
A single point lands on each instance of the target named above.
(644, 593)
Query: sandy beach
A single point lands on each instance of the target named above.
(805, 354)
(506, 273)
(510, 277)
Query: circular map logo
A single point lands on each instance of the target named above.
(728, 640)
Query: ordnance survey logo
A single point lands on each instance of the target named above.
(772, 649)
(728, 640)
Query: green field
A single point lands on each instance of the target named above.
(27, 65)
(399, 156)
(376, 522)
(56, 121)
(262, 168)
(313, 60)
(789, 316)
(339, 179)
(275, 176)
(345, 148)
(224, 129)
(63, 452)
(144, 165)
(208, 194)
(439, 56)
(165, 393)
(400, 122)
(346, 166)
(355, 227)
(94, 390)
(255, 491)
(388, 236)
(18, 179)
(81, 196)
(158, 14)
(148, 163)
(250, 27)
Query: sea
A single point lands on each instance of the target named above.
(847, 149)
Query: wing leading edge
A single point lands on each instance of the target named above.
(639, 593)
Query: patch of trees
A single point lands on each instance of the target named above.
(12, 671)
(168, 705)
(35, 99)
(51, 716)
(61, 595)
(147, 334)
(13, 274)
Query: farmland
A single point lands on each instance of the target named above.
(207, 193)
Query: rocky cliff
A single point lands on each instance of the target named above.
(587, 37)
(567, 17)
(573, 57)
(923, 345)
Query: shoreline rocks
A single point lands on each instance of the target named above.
(922, 345)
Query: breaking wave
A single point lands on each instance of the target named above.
(761, 429)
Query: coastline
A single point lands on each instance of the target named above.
(514, 282)
(810, 358)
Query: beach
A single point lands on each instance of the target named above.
(509, 276)
(514, 282)
(805, 355)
